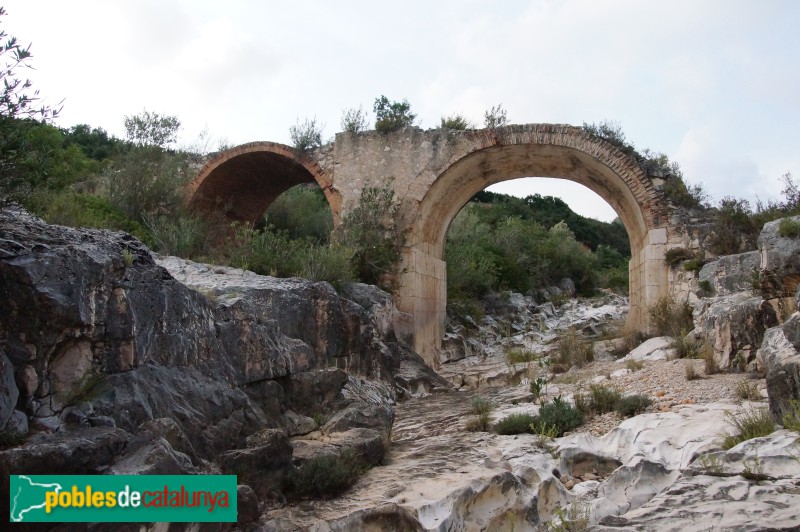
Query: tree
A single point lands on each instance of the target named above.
(152, 129)
(16, 108)
(495, 117)
(354, 120)
(391, 116)
(370, 232)
(306, 135)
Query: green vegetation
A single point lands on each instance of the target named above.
(557, 417)
(747, 391)
(324, 476)
(354, 120)
(691, 371)
(791, 418)
(456, 122)
(303, 212)
(495, 117)
(391, 116)
(573, 350)
(748, 424)
(632, 405)
(789, 228)
(675, 256)
(676, 190)
(669, 318)
(306, 135)
(515, 424)
(499, 242)
(481, 410)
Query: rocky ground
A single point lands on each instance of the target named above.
(113, 360)
(642, 473)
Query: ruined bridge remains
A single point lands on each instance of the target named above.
(434, 174)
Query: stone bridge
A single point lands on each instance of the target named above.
(434, 174)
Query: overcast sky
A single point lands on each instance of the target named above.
(713, 84)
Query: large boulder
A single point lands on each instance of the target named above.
(780, 260)
(732, 273)
(780, 360)
(734, 325)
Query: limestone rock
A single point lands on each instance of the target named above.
(780, 359)
(148, 454)
(263, 463)
(659, 348)
(732, 273)
(213, 416)
(248, 509)
(780, 261)
(734, 323)
(9, 393)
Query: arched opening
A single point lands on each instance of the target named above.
(424, 293)
(529, 243)
(302, 212)
(243, 181)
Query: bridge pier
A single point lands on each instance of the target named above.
(421, 299)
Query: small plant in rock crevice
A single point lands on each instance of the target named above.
(748, 424)
(691, 371)
(747, 391)
(324, 476)
(791, 417)
(481, 410)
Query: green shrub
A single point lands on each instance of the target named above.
(537, 387)
(573, 351)
(693, 265)
(324, 476)
(634, 365)
(517, 355)
(632, 405)
(326, 263)
(481, 405)
(747, 391)
(495, 117)
(789, 228)
(514, 424)
(354, 120)
(391, 116)
(266, 251)
(675, 256)
(559, 415)
(478, 423)
(183, 235)
(734, 229)
(457, 122)
(791, 417)
(370, 232)
(748, 424)
(603, 398)
(710, 363)
(306, 136)
(669, 318)
(303, 212)
(686, 347)
(706, 289)
(691, 371)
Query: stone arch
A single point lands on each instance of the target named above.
(541, 150)
(243, 181)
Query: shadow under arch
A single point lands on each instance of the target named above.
(243, 181)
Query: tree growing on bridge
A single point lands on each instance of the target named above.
(495, 117)
(391, 116)
(354, 120)
(370, 232)
(457, 122)
(306, 136)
